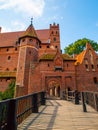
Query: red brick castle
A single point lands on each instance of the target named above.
(34, 59)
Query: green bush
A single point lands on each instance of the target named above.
(9, 92)
(0, 96)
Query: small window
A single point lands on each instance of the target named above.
(56, 32)
(95, 80)
(47, 46)
(92, 66)
(7, 49)
(86, 66)
(9, 57)
(52, 32)
(7, 69)
(30, 40)
(56, 46)
(15, 48)
(40, 46)
(23, 40)
(54, 39)
(67, 65)
(48, 65)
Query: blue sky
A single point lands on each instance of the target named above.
(77, 18)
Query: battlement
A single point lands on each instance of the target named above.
(54, 25)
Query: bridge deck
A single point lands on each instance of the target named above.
(61, 115)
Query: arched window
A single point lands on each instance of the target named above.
(52, 32)
(9, 57)
(95, 80)
(7, 49)
(54, 39)
(86, 64)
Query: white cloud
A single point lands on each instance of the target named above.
(5, 29)
(15, 26)
(31, 7)
(18, 25)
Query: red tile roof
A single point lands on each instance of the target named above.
(10, 38)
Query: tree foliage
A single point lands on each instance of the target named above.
(79, 45)
(9, 92)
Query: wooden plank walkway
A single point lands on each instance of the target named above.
(61, 115)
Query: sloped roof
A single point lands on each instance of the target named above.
(30, 31)
(80, 57)
(52, 56)
(10, 38)
(47, 57)
(67, 57)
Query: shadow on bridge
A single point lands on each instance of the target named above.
(43, 113)
(61, 115)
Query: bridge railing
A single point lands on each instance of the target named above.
(14, 111)
(91, 98)
(73, 96)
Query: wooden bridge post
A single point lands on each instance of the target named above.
(76, 97)
(43, 99)
(12, 115)
(83, 102)
(35, 103)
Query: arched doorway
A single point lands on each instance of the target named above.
(53, 88)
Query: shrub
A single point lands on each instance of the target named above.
(9, 92)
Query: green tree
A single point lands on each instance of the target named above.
(9, 92)
(79, 45)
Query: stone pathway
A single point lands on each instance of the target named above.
(61, 115)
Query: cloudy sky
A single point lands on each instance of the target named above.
(77, 18)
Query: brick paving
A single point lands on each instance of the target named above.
(61, 115)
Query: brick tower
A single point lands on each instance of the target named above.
(55, 36)
(28, 53)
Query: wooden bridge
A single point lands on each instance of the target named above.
(32, 112)
(61, 115)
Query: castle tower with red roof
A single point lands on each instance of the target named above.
(28, 53)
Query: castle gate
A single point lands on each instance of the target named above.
(53, 86)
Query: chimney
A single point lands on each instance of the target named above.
(0, 29)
